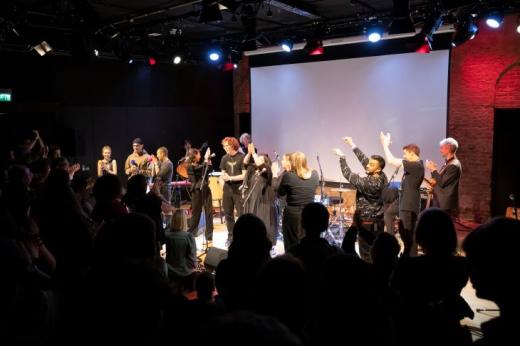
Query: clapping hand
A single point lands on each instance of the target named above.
(431, 165)
(207, 154)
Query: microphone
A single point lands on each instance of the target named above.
(133, 162)
(261, 171)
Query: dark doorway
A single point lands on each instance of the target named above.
(506, 146)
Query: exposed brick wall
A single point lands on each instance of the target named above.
(484, 73)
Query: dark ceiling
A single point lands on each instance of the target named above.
(140, 27)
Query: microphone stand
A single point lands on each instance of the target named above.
(203, 200)
(252, 189)
(322, 180)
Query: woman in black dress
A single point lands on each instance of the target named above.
(299, 186)
(200, 192)
(257, 191)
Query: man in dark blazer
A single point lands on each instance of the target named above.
(446, 180)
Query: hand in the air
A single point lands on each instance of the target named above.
(338, 152)
(251, 148)
(431, 165)
(385, 139)
(207, 154)
(349, 141)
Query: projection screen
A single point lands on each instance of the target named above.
(310, 107)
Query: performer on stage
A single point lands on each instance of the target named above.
(446, 181)
(163, 169)
(299, 186)
(409, 196)
(107, 165)
(138, 162)
(369, 204)
(200, 192)
(257, 191)
(233, 172)
(245, 140)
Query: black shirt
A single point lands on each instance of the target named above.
(233, 165)
(300, 192)
(195, 173)
(410, 198)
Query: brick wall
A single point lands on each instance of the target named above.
(484, 74)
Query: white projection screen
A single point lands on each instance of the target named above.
(310, 107)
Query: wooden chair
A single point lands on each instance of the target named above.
(217, 192)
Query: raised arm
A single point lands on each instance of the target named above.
(359, 154)
(391, 159)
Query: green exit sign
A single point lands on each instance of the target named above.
(5, 95)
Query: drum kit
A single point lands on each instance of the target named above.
(340, 219)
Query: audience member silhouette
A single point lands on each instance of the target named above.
(491, 252)
(429, 286)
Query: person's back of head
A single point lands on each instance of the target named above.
(107, 188)
(436, 233)
(250, 239)
(129, 238)
(491, 252)
(136, 187)
(315, 219)
(385, 249)
(205, 286)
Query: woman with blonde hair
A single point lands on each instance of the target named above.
(299, 186)
(107, 165)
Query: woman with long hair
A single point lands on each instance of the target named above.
(257, 192)
(299, 186)
(200, 192)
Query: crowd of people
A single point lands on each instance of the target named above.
(119, 268)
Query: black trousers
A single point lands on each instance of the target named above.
(291, 226)
(391, 212)
(201, 199)
(407, 232)
(231, 200)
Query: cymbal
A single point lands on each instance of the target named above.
(341, 190)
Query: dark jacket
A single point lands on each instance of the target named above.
(446, 190)
(369, 203)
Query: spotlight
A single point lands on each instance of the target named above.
(42, 48)
(235, 66)
(177, 59)
(495, 19)
(518, 25)
(374, 37)
(287, 45)
(96, 52)
(151, 61)
(215, 55)
(422, 42)
(466, 30)
(314, 46)
(130, 61)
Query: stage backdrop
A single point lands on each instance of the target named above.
(310, 107)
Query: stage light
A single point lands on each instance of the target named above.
(518, 25)
(177, 59)
(215, 55)
(374, 37)
(287, 46)
(495, 19)
(466, 29)
(235, 66)
(96, 52)
(130, 61)
(151, 61)
(314, 47)
(42, 48)
(375, 33)
(422, 42)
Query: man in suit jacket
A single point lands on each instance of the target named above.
(446, 180)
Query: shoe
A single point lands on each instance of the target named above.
(228, 242)
(273, 252)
